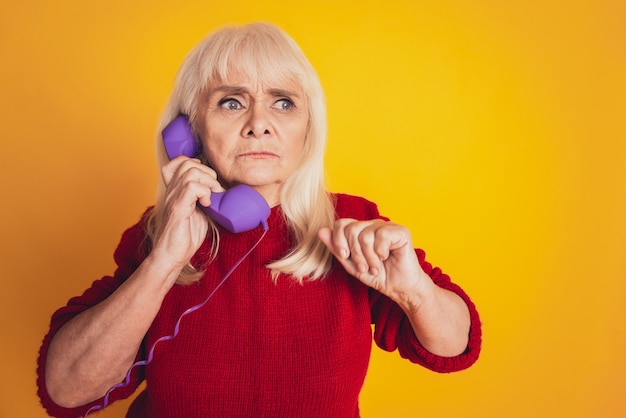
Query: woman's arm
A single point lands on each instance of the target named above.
(381, 255)
(95, 349)
(439, 317)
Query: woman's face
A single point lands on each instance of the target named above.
(253, 133)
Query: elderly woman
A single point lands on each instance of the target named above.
(289, 333)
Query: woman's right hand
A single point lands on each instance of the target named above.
(185, 226)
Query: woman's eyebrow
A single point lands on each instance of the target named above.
(282, 92)
(229, 89)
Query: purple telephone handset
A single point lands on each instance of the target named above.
(238, 209)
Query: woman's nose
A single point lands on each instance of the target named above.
(258, 123)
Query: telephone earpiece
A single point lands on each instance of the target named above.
(179, 140)
(238, 209)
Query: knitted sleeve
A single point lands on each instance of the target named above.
(392, 328)
(128, 256)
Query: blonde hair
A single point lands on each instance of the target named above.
(261, 52)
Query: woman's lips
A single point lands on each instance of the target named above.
(258, 154)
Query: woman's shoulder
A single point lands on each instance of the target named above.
(356, 207)
(134, 244)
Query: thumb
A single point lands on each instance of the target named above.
(325, 235)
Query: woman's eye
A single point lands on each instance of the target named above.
(230, 104)
(284, 104)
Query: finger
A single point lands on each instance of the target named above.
(181, 165)
(371, 245)
(202, 183)
(339, 239)
(191, 175)
(353, 234)
(326, 235)
(169, 169)
(196, 191)
(195, 171)
(392, 237)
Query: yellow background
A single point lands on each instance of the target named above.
(494, 130)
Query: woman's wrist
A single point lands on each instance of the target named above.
(160, 268)
(411, 298)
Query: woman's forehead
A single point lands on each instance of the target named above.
(258, 67)
(256, 81)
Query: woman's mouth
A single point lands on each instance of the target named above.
(258, 155)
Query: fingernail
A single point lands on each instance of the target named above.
(344, 253)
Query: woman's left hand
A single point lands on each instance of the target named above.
(380, 254)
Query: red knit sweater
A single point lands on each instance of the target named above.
(260, 349)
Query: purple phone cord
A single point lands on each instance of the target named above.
(126, 381)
